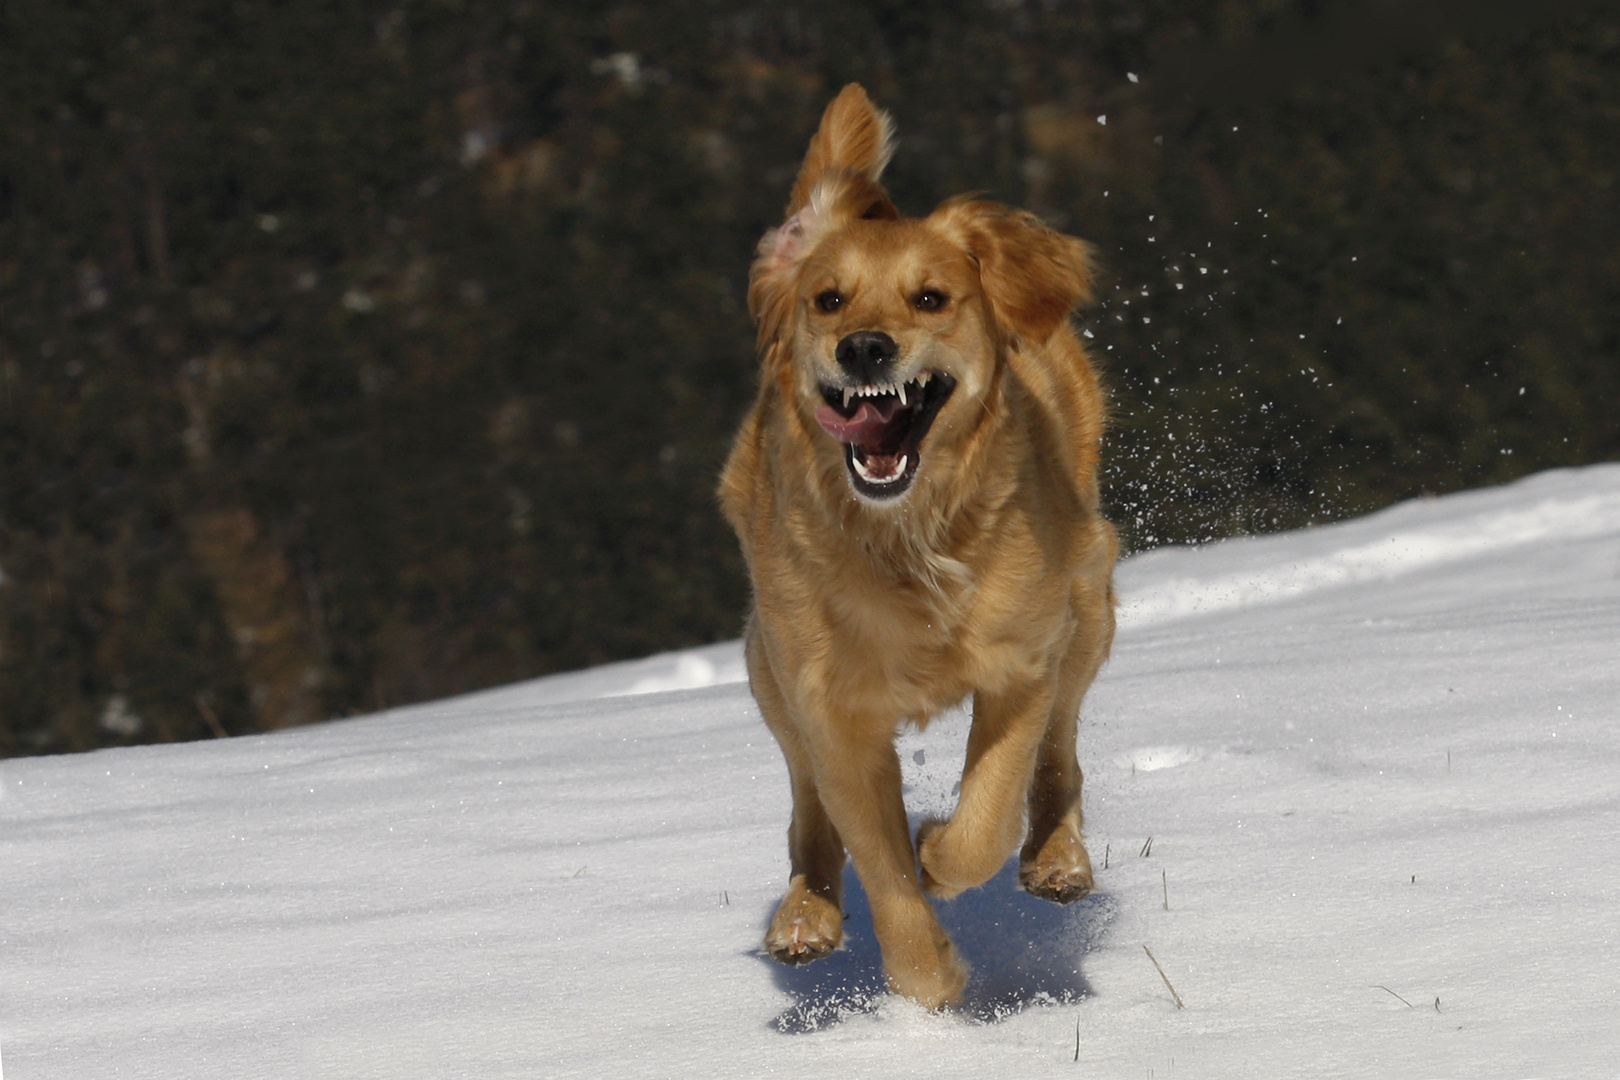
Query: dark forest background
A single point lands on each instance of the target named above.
(356, 353)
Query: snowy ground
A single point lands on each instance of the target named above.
(1379, 763)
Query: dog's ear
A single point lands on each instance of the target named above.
(856, 139)
(1032, 275)
(837, 183)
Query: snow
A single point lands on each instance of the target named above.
(1379, 763)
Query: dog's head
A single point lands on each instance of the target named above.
(889, 333)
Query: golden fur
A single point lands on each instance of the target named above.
(989, 575)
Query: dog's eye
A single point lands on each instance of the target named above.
(831, 300)
(929, 300)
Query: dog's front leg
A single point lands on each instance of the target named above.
(858, 776)
(988, 823)
(846, 792)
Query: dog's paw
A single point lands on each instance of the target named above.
(1059, 884)
(1060, 873)
(806, 926)
(931, 857)
(1059, 870)
(934, 981)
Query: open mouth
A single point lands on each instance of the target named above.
(882, 429)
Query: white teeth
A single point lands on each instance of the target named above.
(899, 471)
(897, 389)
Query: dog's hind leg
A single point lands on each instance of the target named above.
(1053, 863)
(809, 922)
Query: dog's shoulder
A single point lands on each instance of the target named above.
(1065, 404)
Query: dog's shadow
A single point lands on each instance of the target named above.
(1022, 951)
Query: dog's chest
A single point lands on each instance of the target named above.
(904, 664)
(910, 648)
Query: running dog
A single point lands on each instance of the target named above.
(915, 491)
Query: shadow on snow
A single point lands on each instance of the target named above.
(1022, 950)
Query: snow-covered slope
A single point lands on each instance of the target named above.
(1379, 763)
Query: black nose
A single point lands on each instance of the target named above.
(867, 355)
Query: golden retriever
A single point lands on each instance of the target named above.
(915, 491)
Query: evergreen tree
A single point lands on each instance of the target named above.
(353, 354)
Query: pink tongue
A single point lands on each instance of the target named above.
(866, 427)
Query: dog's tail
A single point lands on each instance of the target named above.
(855, 138)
